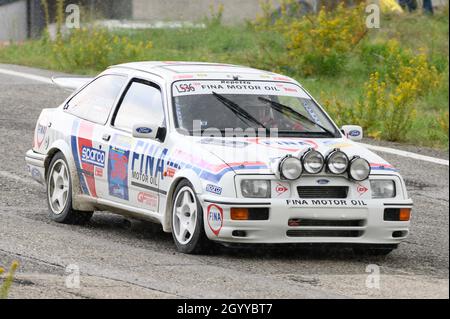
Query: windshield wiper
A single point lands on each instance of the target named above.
(238, 110)
(281, 107)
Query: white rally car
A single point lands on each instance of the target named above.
(215, 153)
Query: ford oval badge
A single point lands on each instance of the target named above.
(323, 181)
(354, 133)
(144, 130)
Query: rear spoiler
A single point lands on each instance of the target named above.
(71, 82)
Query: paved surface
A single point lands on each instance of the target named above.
(126, 259)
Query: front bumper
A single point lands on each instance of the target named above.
(329, 221)
(36, 165)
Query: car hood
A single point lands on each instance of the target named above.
(258, 155)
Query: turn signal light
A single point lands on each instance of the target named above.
(239, 214)
(405, 214)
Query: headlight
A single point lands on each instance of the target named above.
(313, 162)
(254, 188)
(359, 169)
(383, 188)
(290, 168)
(337, 162)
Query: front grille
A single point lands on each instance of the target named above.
(322, 191)
(323, 233)
(327, 222)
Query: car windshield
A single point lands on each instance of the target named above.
(243, 105)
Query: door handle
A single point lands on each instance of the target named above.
(106, 137)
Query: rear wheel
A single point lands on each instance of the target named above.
(59, 194)
(187, 221)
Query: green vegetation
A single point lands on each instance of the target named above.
(6, 285)
(393, 81)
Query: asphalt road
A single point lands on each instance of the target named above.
(133, 259)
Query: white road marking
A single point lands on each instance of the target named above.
(28, 76)
(406, 154)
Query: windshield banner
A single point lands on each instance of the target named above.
(195, 87)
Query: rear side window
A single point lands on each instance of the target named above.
(95, 101)
(142, 103)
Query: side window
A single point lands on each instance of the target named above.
(95, 101)
(142, 103)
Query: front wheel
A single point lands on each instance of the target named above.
(59, 194)
(187, 221)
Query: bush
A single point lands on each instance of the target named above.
(315, 44)
(397, 65)
(322, 44)
(96, 48)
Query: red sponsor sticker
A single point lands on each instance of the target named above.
(215, 218)
(361, 189)
(170, 172)
(98, 172)
(147, 199)
(281, 189)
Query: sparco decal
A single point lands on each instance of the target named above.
(118, 172)
(214, 189)
(93, 156)
(215, 218)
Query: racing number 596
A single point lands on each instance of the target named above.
(185, 88)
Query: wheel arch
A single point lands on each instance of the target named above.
(61, 146)
(196, 183)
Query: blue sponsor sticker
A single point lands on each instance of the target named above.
(144, 130)
(93, 156)
(214, 189)
(118, 172)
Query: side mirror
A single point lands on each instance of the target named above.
(151, 131)
(353, 132)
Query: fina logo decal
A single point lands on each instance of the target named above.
(144, 130)
(93, 156)
(354, 133)
(215, 218)
(322, 181)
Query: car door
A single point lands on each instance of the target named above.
(136, 165)
(91, 108)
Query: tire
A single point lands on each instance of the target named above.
(374, 250)
(188, 230)
(59, 194)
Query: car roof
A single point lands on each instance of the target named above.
(178, 70)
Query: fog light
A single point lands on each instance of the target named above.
(239, 233)
(239, 214)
